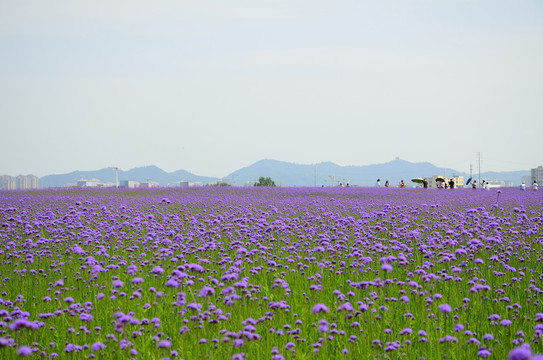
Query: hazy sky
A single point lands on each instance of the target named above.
(213, 86)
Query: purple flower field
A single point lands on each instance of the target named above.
(271, 273)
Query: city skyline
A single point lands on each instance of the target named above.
(211, 87)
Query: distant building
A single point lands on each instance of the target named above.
(27, 182)
(180, 184)
(21, 182)
(149, 184)
(88, 183)
(131, 184)
(458, 181)
(537, 175)
(496, 184)
(7, 183)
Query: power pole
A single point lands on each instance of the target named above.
(479, 155)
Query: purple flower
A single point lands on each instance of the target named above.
(157, 270)
(117, 284)
(97, 346)
(386, 267)
(163, 344)
(24, 351)
(458, 327)
(444, 308)
(319, 308)
(483, 353)
(237, 342)
(195, 267)
(22, 323)
(520, 353)
(347, 307)
(448, 338)
(207, 291)
(85, 317)
(172, 283)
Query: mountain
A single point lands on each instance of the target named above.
(140, 174)
(285, 173)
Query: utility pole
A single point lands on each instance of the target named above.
(479, 155)
(116, 176)
(470, 171)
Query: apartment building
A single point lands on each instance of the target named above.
(7, 183)
(537, 175)
(20, 182)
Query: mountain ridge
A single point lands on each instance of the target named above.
(324, 173)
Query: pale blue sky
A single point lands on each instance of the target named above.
(213, 86)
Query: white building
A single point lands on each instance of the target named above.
(149, 184)
(89, 183)
(496, 184)
(7, 183)
(182, 184)
(131, 184)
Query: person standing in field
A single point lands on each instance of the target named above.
(474, 184)
(402, 184)
(534, 186)
(387, 184)
(378, 183)
(451, 183)
(523, 186)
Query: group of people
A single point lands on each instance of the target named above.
(441, 183)
(387, 184)
(534, 186)
(484, 184)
